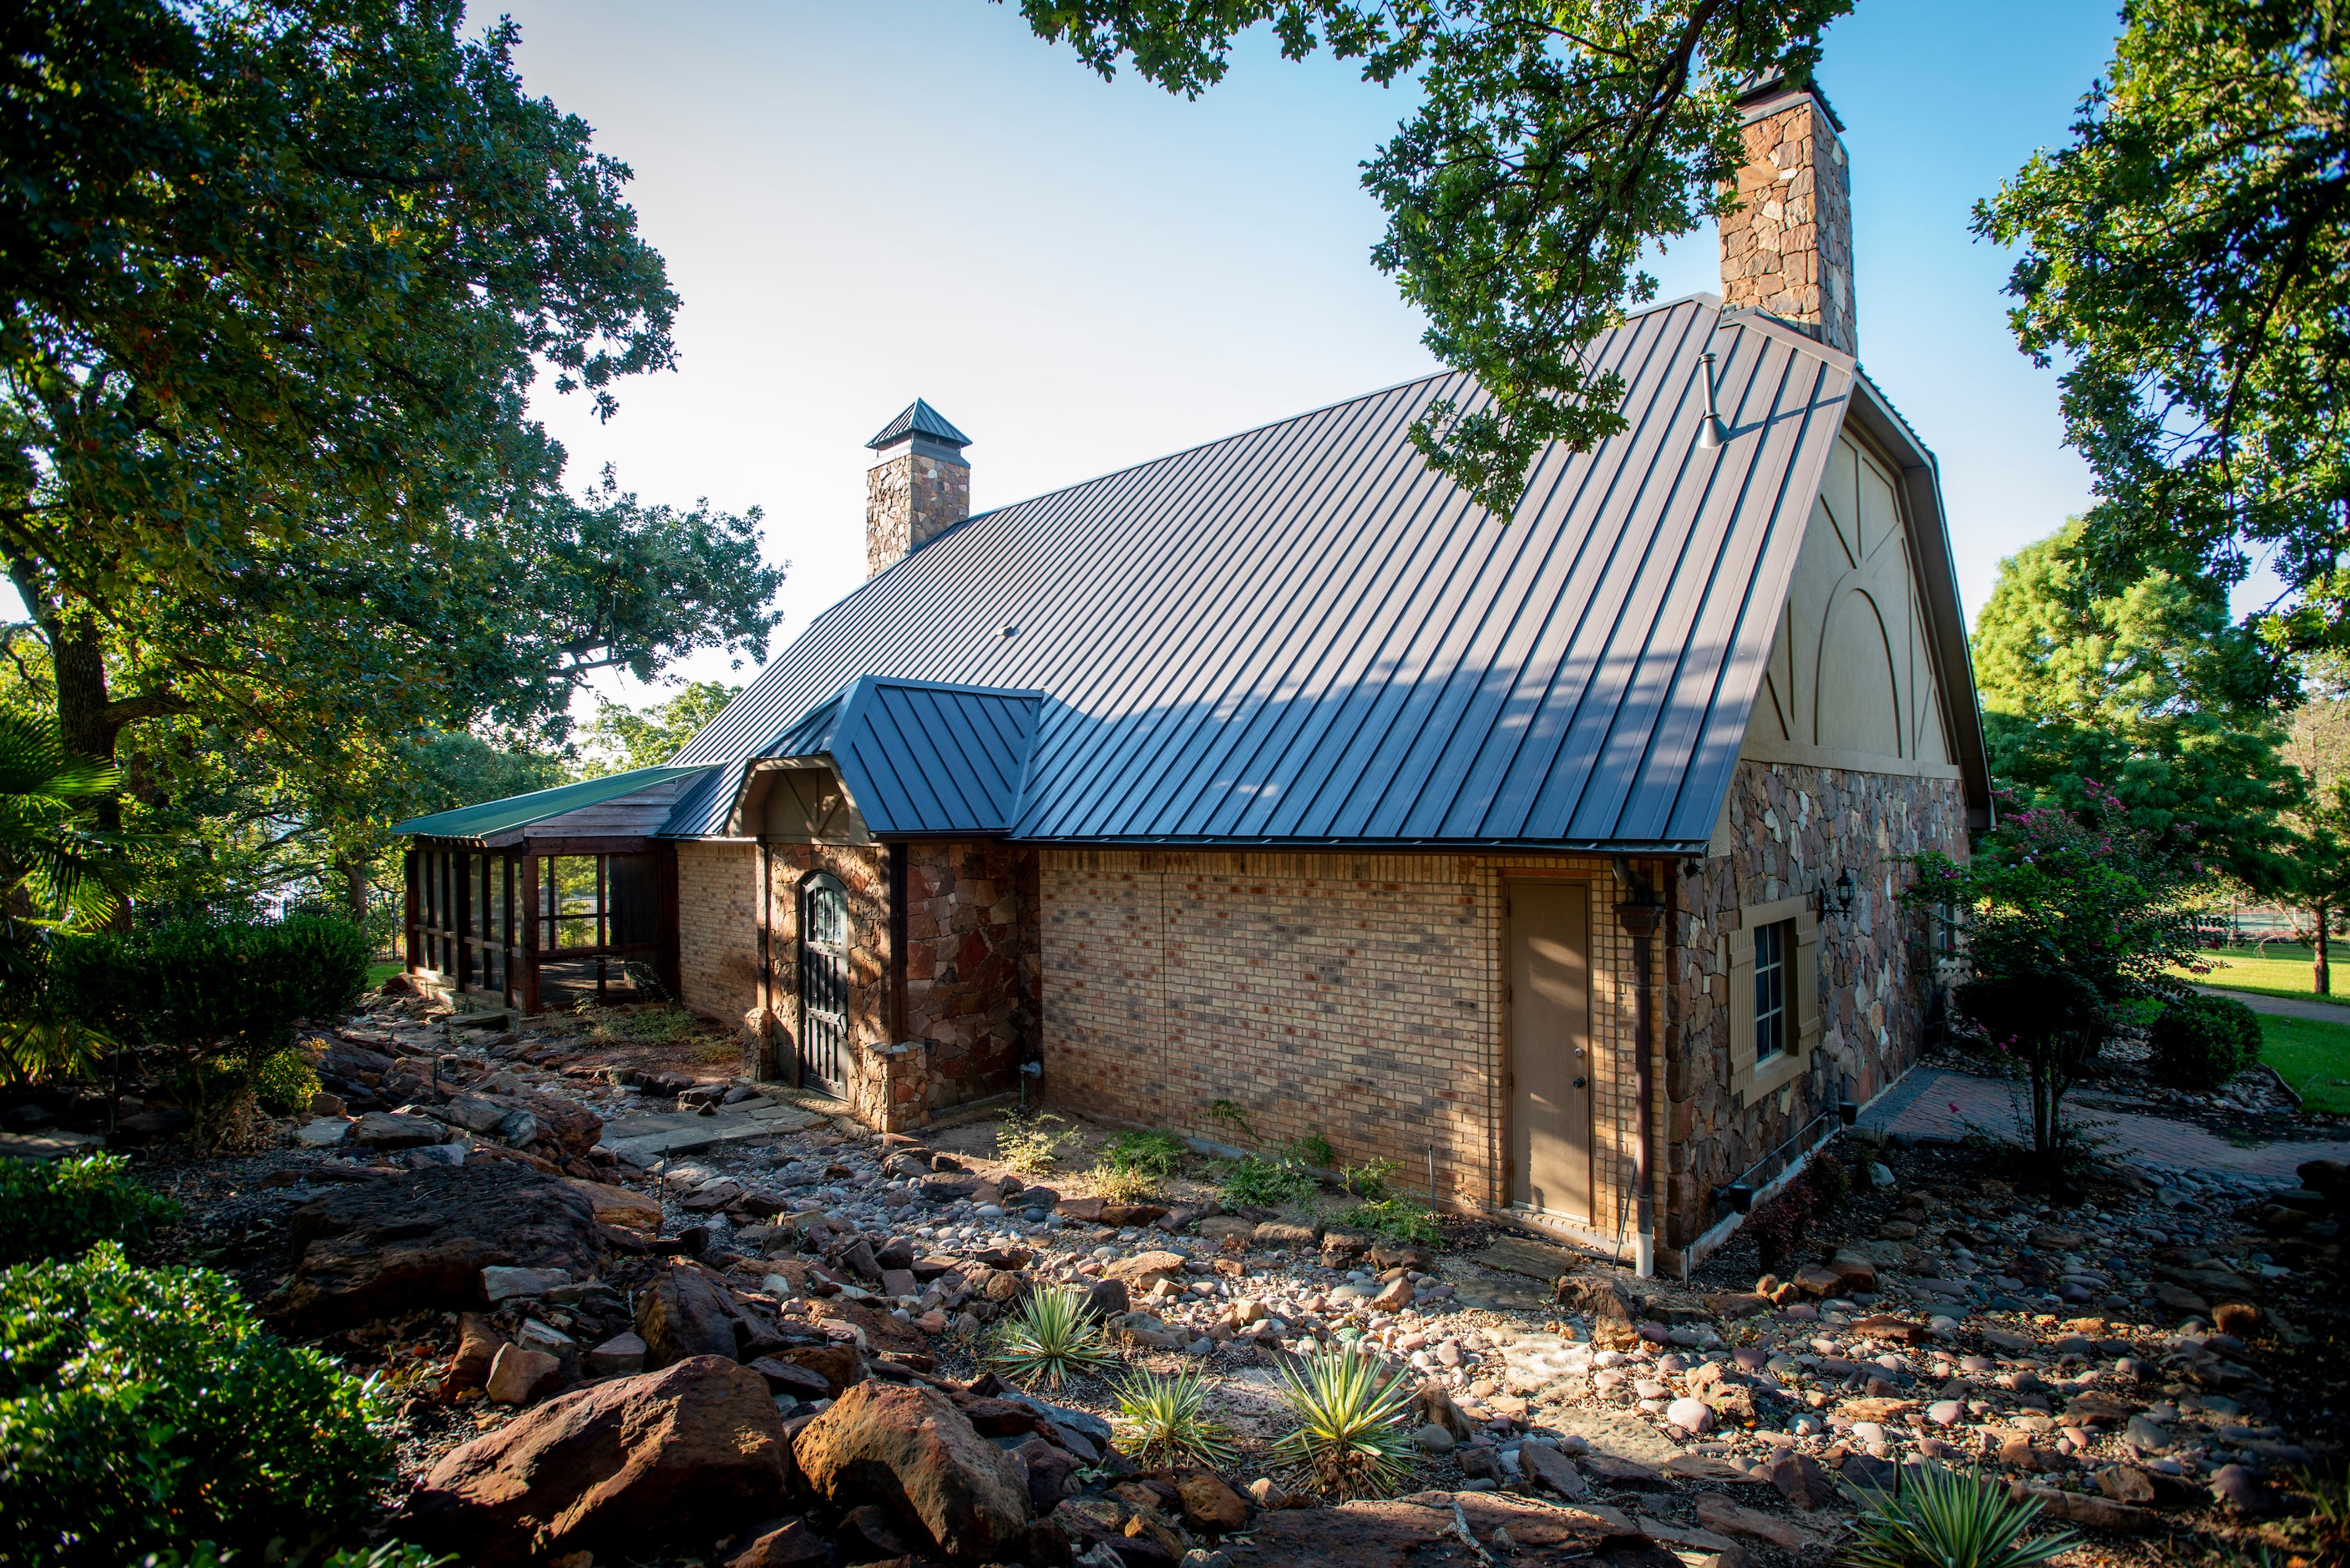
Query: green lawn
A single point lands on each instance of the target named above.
(2313, 1056)
(2281, 971)
(379, 972)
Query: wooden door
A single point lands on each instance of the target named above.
(1549, 926)
(824, 982)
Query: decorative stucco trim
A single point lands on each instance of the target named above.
(1798, 753)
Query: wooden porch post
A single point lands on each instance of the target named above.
(526, 991)
(411, 945)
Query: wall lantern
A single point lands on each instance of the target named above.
(1740, 1196)
(1845, 891)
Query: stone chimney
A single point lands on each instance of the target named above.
(918, 488)
(1787, 251)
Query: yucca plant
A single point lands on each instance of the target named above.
(1048, 1338)
(1349, 1410)
(1942, 1518)
(1165, 1420)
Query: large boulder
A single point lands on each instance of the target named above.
(683, 1314)
(570, 1123)
(908, 1448)
(421, 1242)
(613, 1467)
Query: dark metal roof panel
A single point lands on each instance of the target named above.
(1301, 634)
(920, 419)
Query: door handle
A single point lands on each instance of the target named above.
(1579, 1082)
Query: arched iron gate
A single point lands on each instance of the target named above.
(824, 979)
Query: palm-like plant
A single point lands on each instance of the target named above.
(57, 875)
(1048, 1338)
(1942, 1518)
(1166, 1421)
(1349, 1409)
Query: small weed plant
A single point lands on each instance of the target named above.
(1122, 1183)
(1254, 1184)
(285, 1083)
(1032, 1144)
(1229, 1115)
(60, 1208)
(1313, 1151)
(1396, 1219)
(1049, 1339)
(1349, 1409)
(1942, 1517)
(1159, 1154)
(1165, 1421)
(1368, 1179)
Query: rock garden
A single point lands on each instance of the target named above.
(491, 1298)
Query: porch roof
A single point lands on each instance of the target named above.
(496, 816)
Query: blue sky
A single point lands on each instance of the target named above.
(863, 203)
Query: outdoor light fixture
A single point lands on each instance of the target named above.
(1712, 434)
(1845, 890)
(1739, 1195)
(1848, 1110)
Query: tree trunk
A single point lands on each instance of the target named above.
(355, 888)
(2320, 975)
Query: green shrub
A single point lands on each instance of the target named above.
(52, 1209)
(215, 999)
(146, 1410)
(214, 988)
(1032, 1144)
(1368, 1179)
(1253, 1183)
(1151, 1153)
(285, 1083)
(1313, 1151)
(1397, 1219)
(2201, 1042)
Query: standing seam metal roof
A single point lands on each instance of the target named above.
(1302, 634)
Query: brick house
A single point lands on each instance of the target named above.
(1555, 856)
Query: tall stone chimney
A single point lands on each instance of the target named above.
(918, 488)
(1787, 251)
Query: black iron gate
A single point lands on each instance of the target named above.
(824, 981)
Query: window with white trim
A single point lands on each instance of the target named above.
(1773, 956)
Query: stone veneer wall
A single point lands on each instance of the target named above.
(1358, 996)
(910, 500)
(971, 966)
(1792, 830)
(1788, 248)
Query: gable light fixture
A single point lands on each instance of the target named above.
(1711, 433)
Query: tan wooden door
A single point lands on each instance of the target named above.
(1550, 1047)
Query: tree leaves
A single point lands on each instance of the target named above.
(2187, 260)
(1553, 140)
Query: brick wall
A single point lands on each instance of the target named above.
(718, 930)
(1355, 996)
(1792, 830)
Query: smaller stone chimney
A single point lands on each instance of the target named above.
(918, 488)
(1787, 251)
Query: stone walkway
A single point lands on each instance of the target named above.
(1945, 1106)
(2321, 1008)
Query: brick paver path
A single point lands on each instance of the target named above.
(1923, 1105)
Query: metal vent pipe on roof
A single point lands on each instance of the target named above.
(1712, 432)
